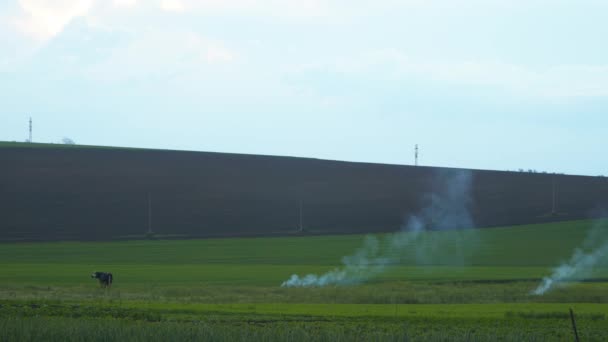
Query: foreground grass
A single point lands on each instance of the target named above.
(198, 311)
(474, 286)
(317, 322)
(69, 329)
(394, 292)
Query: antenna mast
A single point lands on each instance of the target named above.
(30, 139)
(416, 155)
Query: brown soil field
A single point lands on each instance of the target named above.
(91, 194)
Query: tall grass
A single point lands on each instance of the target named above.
(393, 292)
(228, 290)
(104, 329)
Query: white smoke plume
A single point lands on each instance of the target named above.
(448, 208)
(582, 264)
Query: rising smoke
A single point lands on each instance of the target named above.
(447, 208)
(583, 262)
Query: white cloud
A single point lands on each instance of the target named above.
(181, 52)
(149, 51)
(576, 80)
(219, 54)
(551, 81)
(125, 3)
(172, 5)
(42, 19)
(264, 7)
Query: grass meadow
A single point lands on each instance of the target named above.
(475, 286)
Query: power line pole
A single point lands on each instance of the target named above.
(30, 139)
(149, 214)
(554, 196)
(301, 225)
(416, 155)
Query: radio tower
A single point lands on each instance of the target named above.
(416, 155)
(30, 140)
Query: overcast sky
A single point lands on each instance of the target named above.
(484, 84)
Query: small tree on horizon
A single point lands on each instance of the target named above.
(68, 141)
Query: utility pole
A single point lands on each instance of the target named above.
(30, 139)
(554, 195)
(149, 214)
(301, 225)
(416, 155)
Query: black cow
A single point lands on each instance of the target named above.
(105, 279)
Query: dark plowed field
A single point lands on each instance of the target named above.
(84, 193)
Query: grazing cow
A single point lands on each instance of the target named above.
(105, 279)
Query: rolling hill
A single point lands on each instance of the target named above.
(56, 192)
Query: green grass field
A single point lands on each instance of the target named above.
(474, 286)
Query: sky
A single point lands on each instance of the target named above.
(484, 84)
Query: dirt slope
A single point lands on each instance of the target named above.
(72, 193)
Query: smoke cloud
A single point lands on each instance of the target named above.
(447, 208)
(582, 263)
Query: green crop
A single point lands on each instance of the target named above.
(229, 289)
